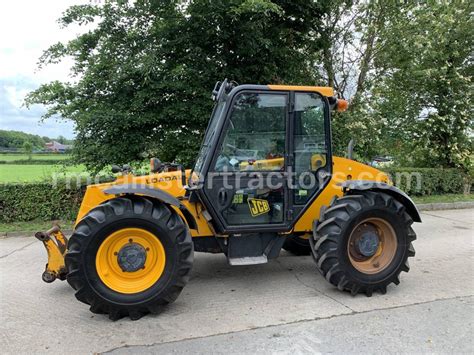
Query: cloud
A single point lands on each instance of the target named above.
(29, 27)
(14, 116)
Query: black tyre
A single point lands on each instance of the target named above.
(297, 245)
(129, 256)
(362, 242)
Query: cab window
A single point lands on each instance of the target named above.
(310, 149)
(255, 135)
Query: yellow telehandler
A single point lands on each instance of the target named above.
(264, 179)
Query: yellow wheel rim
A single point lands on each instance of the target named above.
(111, 271)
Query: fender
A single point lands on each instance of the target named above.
(393, 191)
(154, 193)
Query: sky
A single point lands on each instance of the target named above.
(27, 28)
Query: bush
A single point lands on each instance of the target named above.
(430, 181)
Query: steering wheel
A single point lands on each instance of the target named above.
(232, 147)
(224, 159)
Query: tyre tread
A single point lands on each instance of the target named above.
(147, 209)
(333, 220)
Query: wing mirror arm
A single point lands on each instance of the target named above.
(183, 175)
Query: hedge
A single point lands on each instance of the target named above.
(26, 202)
(34, 162)
(430, 181)
(43, 200)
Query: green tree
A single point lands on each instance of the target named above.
(145, 71)
(61, 139)
(427, 90)
(407, 68)
(353, 39)
(16, 139)
(28, 149)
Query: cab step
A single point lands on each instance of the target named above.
(248, 260)
(253, 248)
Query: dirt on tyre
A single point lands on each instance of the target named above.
(297, 245)
(129, 256)
(362, 242)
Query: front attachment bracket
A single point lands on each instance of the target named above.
(55, 243)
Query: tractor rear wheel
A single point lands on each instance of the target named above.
(129, 256)
(362, 242)
(297, 245)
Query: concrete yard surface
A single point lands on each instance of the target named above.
(355, 333)
(281, 307)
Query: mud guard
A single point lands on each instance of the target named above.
(388, 189)
(157, 194)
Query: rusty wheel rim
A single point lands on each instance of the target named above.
(372, 245)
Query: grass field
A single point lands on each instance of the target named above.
(12, 157)
(31, 173)
(33, 226)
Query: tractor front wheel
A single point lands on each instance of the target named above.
(129, 256)
(362, 242)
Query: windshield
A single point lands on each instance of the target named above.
(211, 128)
(210, 131)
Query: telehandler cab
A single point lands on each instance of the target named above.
(264, 179)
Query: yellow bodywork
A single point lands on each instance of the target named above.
(343, 170)
(323, 90)
(170, 182)
(277, 164)
(274, 164)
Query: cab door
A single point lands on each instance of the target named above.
(245, 185)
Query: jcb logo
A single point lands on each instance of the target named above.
(258, 206)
